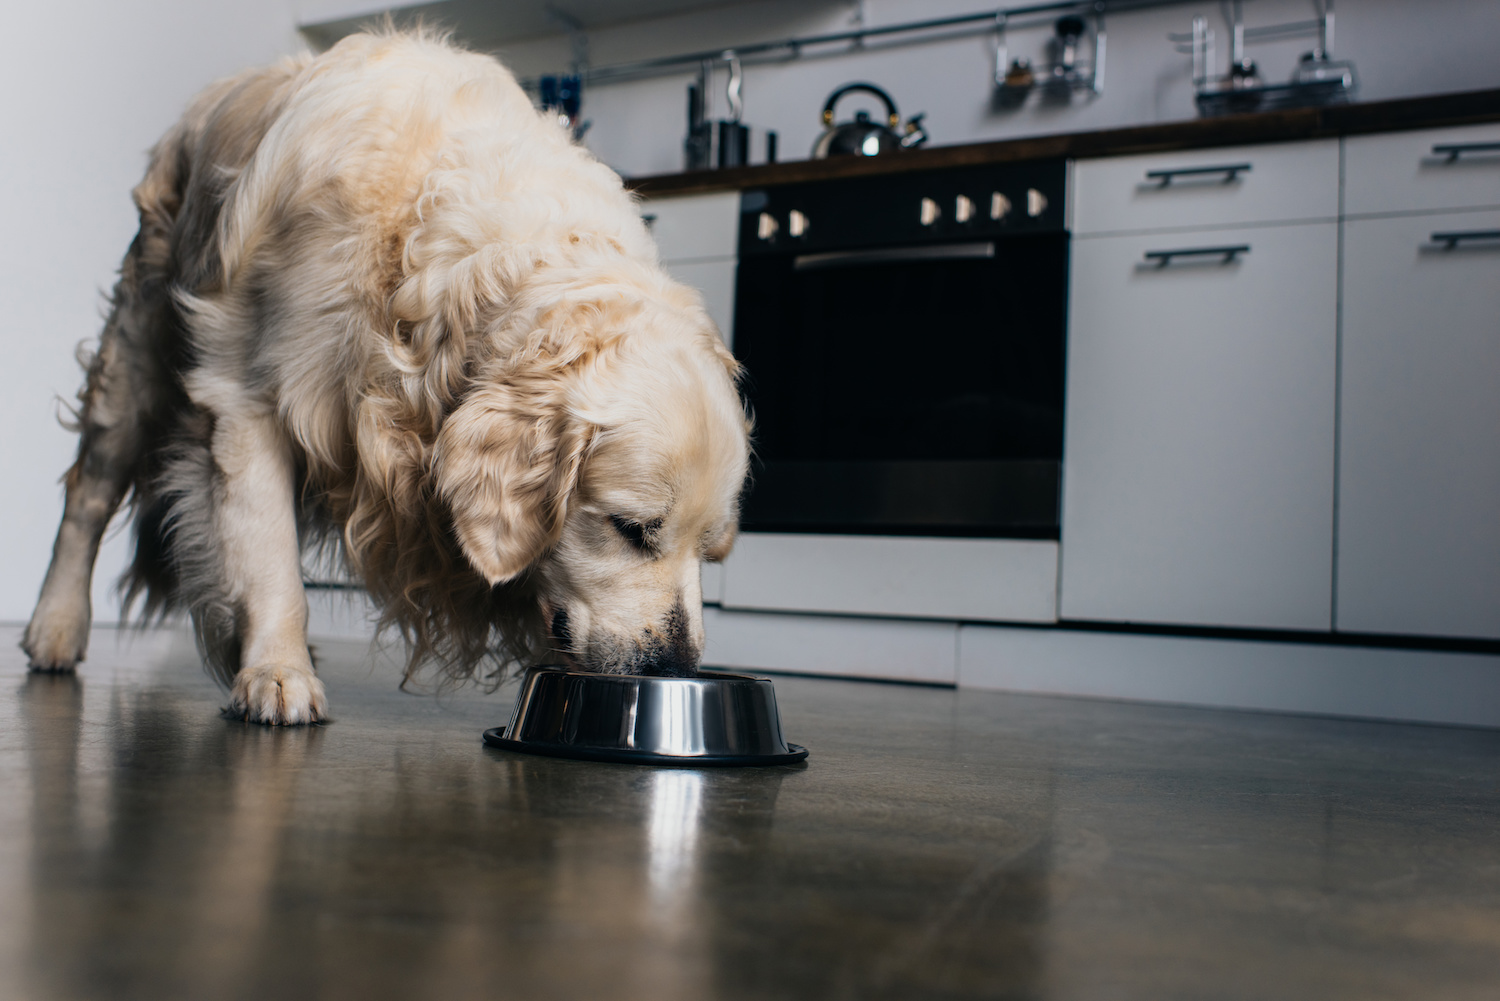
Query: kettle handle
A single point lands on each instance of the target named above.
(869, 88)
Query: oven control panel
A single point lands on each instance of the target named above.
(938, 206)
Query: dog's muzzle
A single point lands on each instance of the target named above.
(666, 652)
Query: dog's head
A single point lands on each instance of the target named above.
(605, 461)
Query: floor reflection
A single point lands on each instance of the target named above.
(937, 845)
(676, 813)
(174, 890)
(378, 857)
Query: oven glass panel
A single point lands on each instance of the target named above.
(907, 396)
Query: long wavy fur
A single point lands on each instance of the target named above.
(423, 294)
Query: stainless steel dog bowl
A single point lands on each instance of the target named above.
(711, 719)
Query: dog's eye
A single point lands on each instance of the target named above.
(635, 533)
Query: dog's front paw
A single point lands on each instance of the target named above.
(57, 635)
(277, 694)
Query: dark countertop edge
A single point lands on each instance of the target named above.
(1467, 108)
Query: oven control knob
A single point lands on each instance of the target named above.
(796, 223)
(1036, 202)
(930, 212)
(963, 209)
(767, 226)
(999, 206)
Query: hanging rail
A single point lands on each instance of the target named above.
(792, 47)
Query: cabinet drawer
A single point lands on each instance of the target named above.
(694, 226)
(1007, 580)
(1431, 170)
(826, 644)
(1203, 188)
(1198, 465)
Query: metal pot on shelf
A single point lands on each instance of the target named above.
(863, 136)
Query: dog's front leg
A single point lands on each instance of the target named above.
(256, 523)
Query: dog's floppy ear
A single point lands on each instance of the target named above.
(506, 463)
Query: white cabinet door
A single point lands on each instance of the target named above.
(696, 237)
(1199, 458)
(1419, 449)
(714, 280)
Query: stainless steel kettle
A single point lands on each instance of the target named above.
(864, 137)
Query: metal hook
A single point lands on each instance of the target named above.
(1096, 84)
(736, 79)
(1002, 48)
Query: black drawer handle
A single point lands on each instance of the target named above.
(1455, 150)
(1231, 172)
(1450, 240)
(1161, 258)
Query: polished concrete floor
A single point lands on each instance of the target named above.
(937, 844)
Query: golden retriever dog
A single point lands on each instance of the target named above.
(379, 303)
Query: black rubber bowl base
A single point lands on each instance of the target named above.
(496, 738)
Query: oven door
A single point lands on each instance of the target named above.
(906, 390)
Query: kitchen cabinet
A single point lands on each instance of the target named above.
(1199, 454)
(714, 280)
(1419, 450)
(892, 649)
(696, 239)
(1202, 406)
(1300, 435)
(694, 227)
(1007, 580)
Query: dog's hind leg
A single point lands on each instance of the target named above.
(116, 399)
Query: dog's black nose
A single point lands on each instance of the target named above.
(670, 666)
(673, 655)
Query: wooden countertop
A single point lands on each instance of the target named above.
(1466, 108)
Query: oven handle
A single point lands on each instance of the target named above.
(893, 255)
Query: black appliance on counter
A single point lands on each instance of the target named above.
(904, 342)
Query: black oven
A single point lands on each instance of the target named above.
(904, 342)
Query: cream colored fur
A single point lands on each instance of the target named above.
(379, 301)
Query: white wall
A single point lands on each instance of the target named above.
(89, 87)
(1400, 48)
